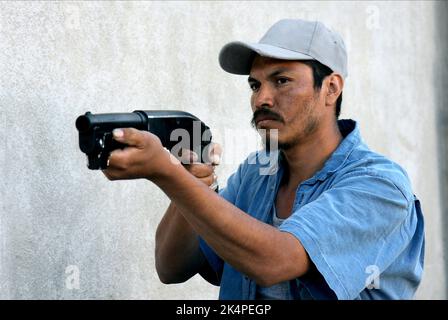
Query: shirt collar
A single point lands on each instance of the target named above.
(351, 139)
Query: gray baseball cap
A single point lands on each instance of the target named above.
(289, 39)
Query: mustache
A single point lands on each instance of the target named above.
(267, 113)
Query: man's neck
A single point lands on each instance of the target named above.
(305, 159)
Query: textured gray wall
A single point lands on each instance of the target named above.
(440, 81)
(59, 220)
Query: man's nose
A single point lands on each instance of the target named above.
(264, 97)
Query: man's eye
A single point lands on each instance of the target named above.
(282, 80)
(254, 86)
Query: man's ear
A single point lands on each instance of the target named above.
(334, 83)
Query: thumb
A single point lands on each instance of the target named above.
(129, 136)
(188, 156)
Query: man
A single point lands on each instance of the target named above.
(334, 220)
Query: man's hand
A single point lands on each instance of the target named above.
(203, 171)
(144, 157)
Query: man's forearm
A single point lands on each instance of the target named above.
(254, 248)
(177, 248)
(241, 240)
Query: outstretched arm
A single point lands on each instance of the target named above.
(178, 256)
(256, 249)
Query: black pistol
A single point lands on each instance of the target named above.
(176, 130)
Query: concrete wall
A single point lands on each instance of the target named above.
(440, 81)
(59, 220)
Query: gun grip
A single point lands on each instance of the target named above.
(104, 146)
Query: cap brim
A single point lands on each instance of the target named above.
(237, 57)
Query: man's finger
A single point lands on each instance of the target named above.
(199, 170)
(208, 180)
(129, 136)
(214, 154)
(188, 156)
(117, 158)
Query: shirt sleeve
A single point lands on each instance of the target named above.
(229, 193)
(361, 224)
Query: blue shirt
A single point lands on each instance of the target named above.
(357, 218)
(278, 291)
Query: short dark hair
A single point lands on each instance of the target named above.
(321, 71)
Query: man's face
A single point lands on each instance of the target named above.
(283, 98)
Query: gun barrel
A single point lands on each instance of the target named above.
(88, 121)
(175, 129)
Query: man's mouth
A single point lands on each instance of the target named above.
(263, 116)
(264, 119)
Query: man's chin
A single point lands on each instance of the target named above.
(270, 139)
(270, 144)
(273, 144)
